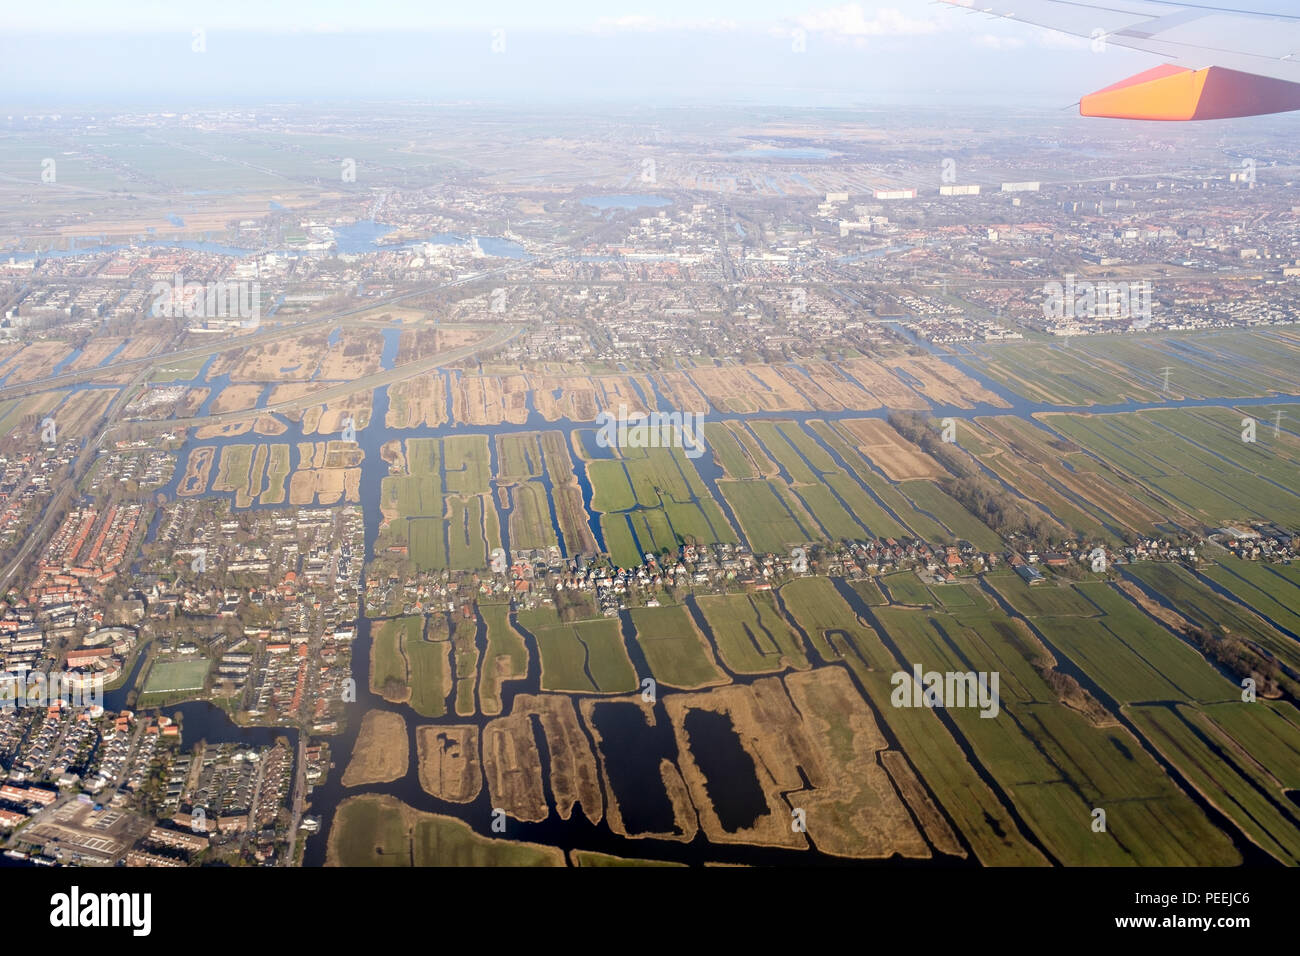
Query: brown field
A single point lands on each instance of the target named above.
(392, 315)
(898, 458)
(139, 346)
(325, 486)
(35, 361)
(189, 404)
(417, 344)
(449, 761)
(417, 402)
(807, 386)
(582, 397)
(227, 430)
(236, 398)
(77, 416)
(853, 810)
(814, 721)
(204, 215)
(287, 358)
(290, 391)
(355, 356)
(514, 768)
(328, 419)
(394, 456)
(748, 388)
(577, 398)
(839, 389)
(269, 425)
(567, 495)
(7, 351)
(224, 363)
(198, 468)
(381, 754)
(886, 388)
(489, 400)
(931, 819)
(94, 352)
(573, 773)
(684, 816)
(945, 384)
(457, 336)
(680, 392)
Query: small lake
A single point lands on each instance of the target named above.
(625, 201)
(782, 152)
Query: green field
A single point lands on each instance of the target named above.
(466, 545)
(823, 614)
(1194, 462)
(1111, 369)
(506, 657)
(904, 587)
(388, 640)
(584, 657)
(751, 635)
(276, 472)
(530, 521)
(518, 458)
(1232, 772)
(1195, 601)
(430, 675)
(678, 655)
(373, 830)
(1271, 589)
(764, 510)
(651, 500)
(1058, 763)
(170, 677)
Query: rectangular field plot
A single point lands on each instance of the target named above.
(171, 677)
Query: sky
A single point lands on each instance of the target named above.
(665, 52)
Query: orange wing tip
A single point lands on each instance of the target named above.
(1175, 94)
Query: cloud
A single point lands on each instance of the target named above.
(640, 23)
(991, 41)
(851, 20)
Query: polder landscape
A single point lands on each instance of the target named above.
(397, 571)
(691, 691)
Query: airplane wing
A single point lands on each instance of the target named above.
(1222, 61)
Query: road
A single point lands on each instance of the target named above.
(299, 799)
(68, 488)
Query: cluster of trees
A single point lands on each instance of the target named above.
(998, 509)
(982, 497)
(1074, 696)
(1241, 659)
